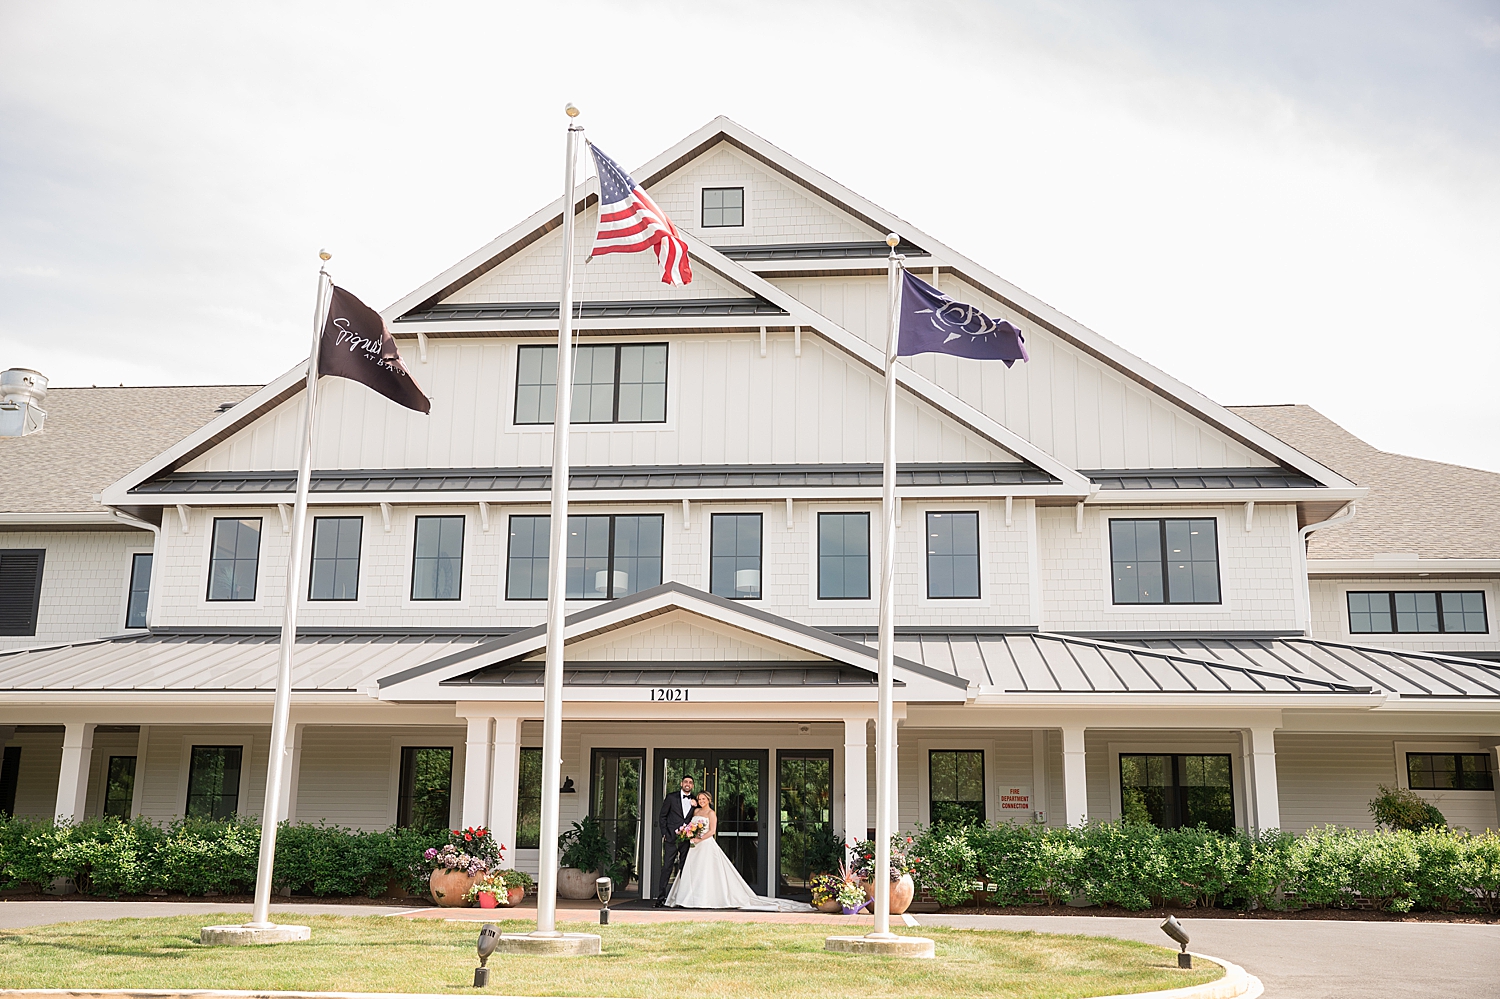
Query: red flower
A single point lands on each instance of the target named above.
(467, 836)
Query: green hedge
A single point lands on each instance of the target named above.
(110, 857)
(1141, 867)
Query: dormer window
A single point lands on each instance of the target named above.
(723, 206)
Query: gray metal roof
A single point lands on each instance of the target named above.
(818, 251)
(1201, 478)
(600, 310)
(599, 477)
(674, 674)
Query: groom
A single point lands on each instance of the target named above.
(674, 811)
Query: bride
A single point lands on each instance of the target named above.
(709, 879)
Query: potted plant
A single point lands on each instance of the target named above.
(467, 856)
(903, 866)
(825, 892)
(517, 884)
(585, 852)
(851, 898)
(489, 891)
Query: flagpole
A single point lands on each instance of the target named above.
(557, 574)
(885, 725)
(276, 771)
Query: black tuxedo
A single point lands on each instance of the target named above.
(668, 818)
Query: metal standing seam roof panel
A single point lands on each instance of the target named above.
(1200, 478)
(817, 251)
(754, 306)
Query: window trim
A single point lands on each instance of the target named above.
(817, 553)
(1391, 603)
(702, 208)
(109, 759)
(453, 776)
(208, 589)
(978, 552)
(187, 769)
(984, 777)
(538, 751)
(1403, 778)
(463, 560)
(1166, 601)
(515, 409)
(760, 551)
(130, 589)
(505, 596)
(36, 592)
(1233, 748)
(359, 559)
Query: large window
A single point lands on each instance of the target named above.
(608, 556)
(843, 556)
(20, 589)
(952, 555)
(529, 801)
(734, 562)
(1449, 772)
(214, 782)
(426, 787)
(140, 590)
(234, 559)
(335, 557)
(10, 774)
(1417, 612)
(437, 566)
(1165, 561)
(806, 842)
(1170, 791)
(119, 786)
(723, 206)
(615, 803)
(955, 785)
(612, 383)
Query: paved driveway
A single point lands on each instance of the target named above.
(1311, 959)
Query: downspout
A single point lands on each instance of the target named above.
(1343, 517)
(145, 525)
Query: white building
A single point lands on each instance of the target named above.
(1107, 605)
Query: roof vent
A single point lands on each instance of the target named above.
(21, 393)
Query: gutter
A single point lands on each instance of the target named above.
(1338, 520)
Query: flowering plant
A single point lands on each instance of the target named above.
(903, 861)
(492, 883)
(472, 851)
(688, 830)
(825, 887)
(851, 895)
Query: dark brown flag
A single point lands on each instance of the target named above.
(357, 345)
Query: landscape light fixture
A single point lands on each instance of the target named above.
(489, 939)
(1173, 929)
(605, 888)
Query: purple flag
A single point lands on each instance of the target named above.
(933, 323)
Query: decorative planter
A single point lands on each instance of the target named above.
(575, 884)
(901, 893)
(832, 905)
(487, 900)
(448, 886)
(514, 895)
(852, 910)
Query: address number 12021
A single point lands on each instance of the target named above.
(669, 693)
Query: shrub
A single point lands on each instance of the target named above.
(948, 865)
(1402, 808)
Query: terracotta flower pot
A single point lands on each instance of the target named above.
(575, 884)
(832, 905)
(448, 887)
(513, 896)
(902, 892)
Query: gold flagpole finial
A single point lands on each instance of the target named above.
(572, 111)
(892, 240)
(324, 256)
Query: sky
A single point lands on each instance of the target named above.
(1274, 201)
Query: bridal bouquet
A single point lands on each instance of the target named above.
(688, 830)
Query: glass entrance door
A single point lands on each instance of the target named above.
(737, 781)
(616, 790)
(806, 842)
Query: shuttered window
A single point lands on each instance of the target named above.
(20, 589)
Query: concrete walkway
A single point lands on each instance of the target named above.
(1295, 959)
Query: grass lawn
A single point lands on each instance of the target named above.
(700, 960)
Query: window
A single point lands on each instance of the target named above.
(843, 556)
(10, 774)
(119, 786)
(1171, 791)
(335, 558)
(1417, 612)
(20, 589)
(426, 787)
(1165, 561)
(214, 782)
(1449, 772)
(140, 590)
(612, 383)
(734, 560)
(437, 565)
(608, 556)
(955, 786)
(529, 801)
(235, 555)
(723, 206)
(952, 555)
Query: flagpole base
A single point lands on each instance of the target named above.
(888, 945)
(248, 935)
(561, 945)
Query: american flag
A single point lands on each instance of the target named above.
(629, 222)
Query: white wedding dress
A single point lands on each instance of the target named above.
(709, 881)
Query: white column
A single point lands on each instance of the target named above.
(1262, 794)
(292, 768)
(505, 784)
(1075, 781)
(476, 811)
(1038, 774)
(138, 792)
(856, 781)
(73, 780)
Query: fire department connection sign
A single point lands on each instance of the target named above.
(1015, 799)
